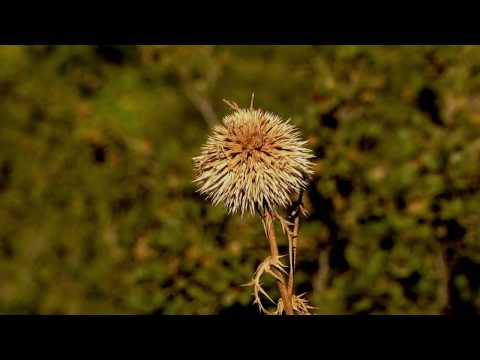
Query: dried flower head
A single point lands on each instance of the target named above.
(254, 161)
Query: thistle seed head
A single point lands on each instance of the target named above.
(254, 161)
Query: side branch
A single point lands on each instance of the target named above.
(293, 239)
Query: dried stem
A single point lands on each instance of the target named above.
(289, 301)
(292, 245)
(292, 242)
(270, 233)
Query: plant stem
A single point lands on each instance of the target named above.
(292, 242)
(270, 232)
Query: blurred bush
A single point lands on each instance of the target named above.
(98, 213)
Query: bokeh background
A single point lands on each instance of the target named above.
(98, 213)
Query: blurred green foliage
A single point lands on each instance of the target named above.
(98, 213)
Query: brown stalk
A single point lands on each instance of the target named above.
(270, 232)
(292, 243)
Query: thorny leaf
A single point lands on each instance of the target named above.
(299, 304)
(269, 265)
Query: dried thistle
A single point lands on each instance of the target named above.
(255, 161)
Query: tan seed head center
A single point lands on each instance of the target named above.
(252, 143)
